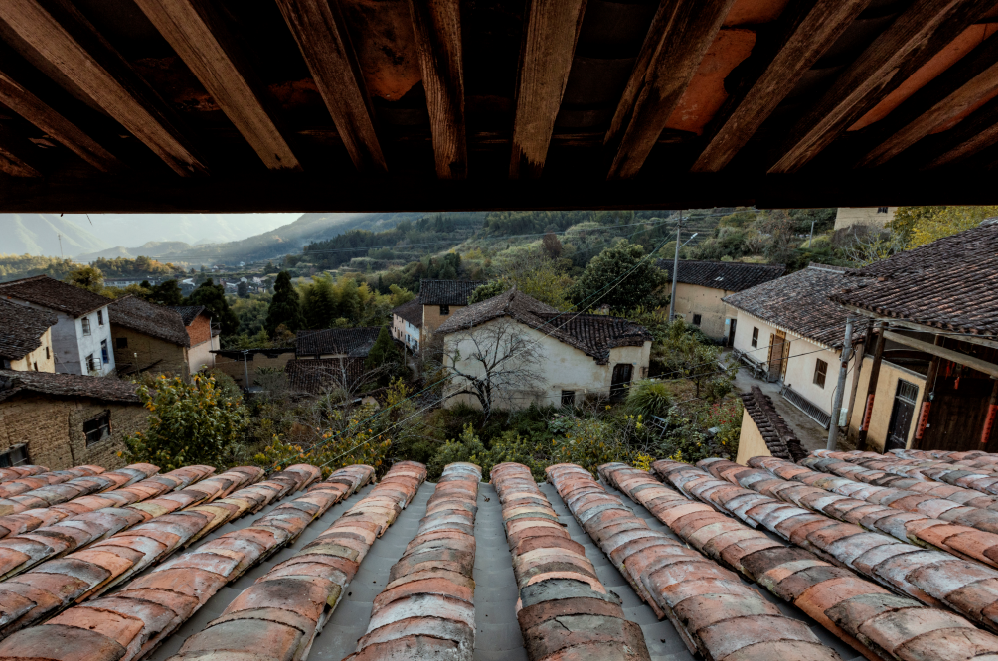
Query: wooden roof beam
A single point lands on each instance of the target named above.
(195, 30)
(19, 99)
(324, 42)
(946, 97)
(15, 154)
(676, 43)
(53, 34)
(976, 132)
(911, 40)
(437, 26)
(806, 30)
(551, 32)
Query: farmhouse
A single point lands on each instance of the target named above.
(203, 338)
(26, 338)
(148, 338)
(440, 299)
(407, 319)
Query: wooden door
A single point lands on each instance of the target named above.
(619, 379)
(731, 335)
(901, 416)
(776, 343)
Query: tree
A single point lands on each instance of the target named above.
(284, 308)
(487, 291)
(383, 351)
(496, 363)
(921, 225)
(167, 293)
(212, 296)
(242, 289)
(190, 423)
(622, 277)
(87, 277)
(269, 268)
(551, 245)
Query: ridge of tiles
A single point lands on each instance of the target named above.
(919, 519)
(134, 620)
(933, 577)
(427, 609)
(564, 611)
(57, 494)
(280, 615)
(19, 485)
(14, 472)
(86, 574)
(861, 613)
(739, 625)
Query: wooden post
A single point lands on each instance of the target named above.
(930, 377)
(871, 390)
(989, 422)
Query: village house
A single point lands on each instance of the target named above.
(931, 379)
(149, 338)
(330, 358)
(702, 285)
(407, 319)
(81, 336)
(580, 355)
(203, 338)
(66, 420)
(242, 364)
(439, 299)
(26, 338)
(790, 332)
(874, 218)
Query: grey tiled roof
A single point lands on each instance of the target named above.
(315, 376)
(411, 312)
(354, 342)
(950, 284)
(53, 294)
(447, 292)
(21, 329)
(799, 302)
(779, 438)
(106, 389)
(731, 276)
(593, 334)
(188, 312)
(151, 319)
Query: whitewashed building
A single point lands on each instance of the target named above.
(81, 337)
(407, 319)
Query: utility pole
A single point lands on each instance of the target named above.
(833, 424)
(809, 241)
(246, 383)
(675, 268)
(62, 254)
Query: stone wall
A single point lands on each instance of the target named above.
(155, 356)
(53, 429)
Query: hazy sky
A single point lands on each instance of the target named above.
(137, 229)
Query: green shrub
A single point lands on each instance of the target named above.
(650, 398)
(466, 447)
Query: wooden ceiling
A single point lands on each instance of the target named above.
(378, 105)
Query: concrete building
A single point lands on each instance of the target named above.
(65, 420)
(439, 299)
(789, 331)
(702, 286)
(581, 355)
(204, 340)
(26, 338)
(872, 217)
(81, 336)
(407, 319)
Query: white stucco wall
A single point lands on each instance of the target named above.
(563, 367)
(91, 344)
(200, 355)
(43, 357)
(406, 332)
(705, 301)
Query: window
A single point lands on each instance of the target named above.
(881, 209)
(36, 365)
(755, 337)
(103, 352)
(100, 317)
(568, 398)
(121, 343)
(90, 363)
(15, 456)
(444, 309)
(820, 369)
(48, 354)
(86, 325)
(97, 428)
(696, 319)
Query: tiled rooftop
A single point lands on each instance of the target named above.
(353, 342)
(411, 312)
(159, 321)
(21, 329)
(67, 385)
(722, 562)
(53, 294)
(729, 276)
(447, 292)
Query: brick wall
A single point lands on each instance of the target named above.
(200, 329)
(53, 429)
(172, 357)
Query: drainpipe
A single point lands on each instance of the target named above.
(833, 426)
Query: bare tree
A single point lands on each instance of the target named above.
(872, 246)
(501, 362)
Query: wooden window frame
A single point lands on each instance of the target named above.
(100, 428)
(444, 310)
(755, 337)
(85, 325)
(820, 373)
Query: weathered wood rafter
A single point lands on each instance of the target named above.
(56, 37)
(976, 132)
(14, 155)
(203, 42)
(806, 31)
(324, 42)
(551, 33)
(874, 74)
(437, 26)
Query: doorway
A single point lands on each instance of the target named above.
(618, 381)
(777, 354)
(901, 416)
(731, 333)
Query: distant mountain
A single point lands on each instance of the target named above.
(151, 249)
(193, 229)
(38, 234)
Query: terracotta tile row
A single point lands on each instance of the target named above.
(84, 574)
(279, 616)
(909, 516)
(933, 577)
(714, 612)
(427, 610)
(132, 622)
(55, 494)
(965, 473)
(151, 487)
(564, 611)
(864, 615)
(19, 485)
(24, 470)
(21, 552)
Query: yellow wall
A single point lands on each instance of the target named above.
(887, 386)
(868, 216)
(432, 320)
(705, 301)
(750, 444)
(43, 356)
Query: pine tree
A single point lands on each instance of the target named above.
(284, 307)
(620, 277)
(383, 351)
